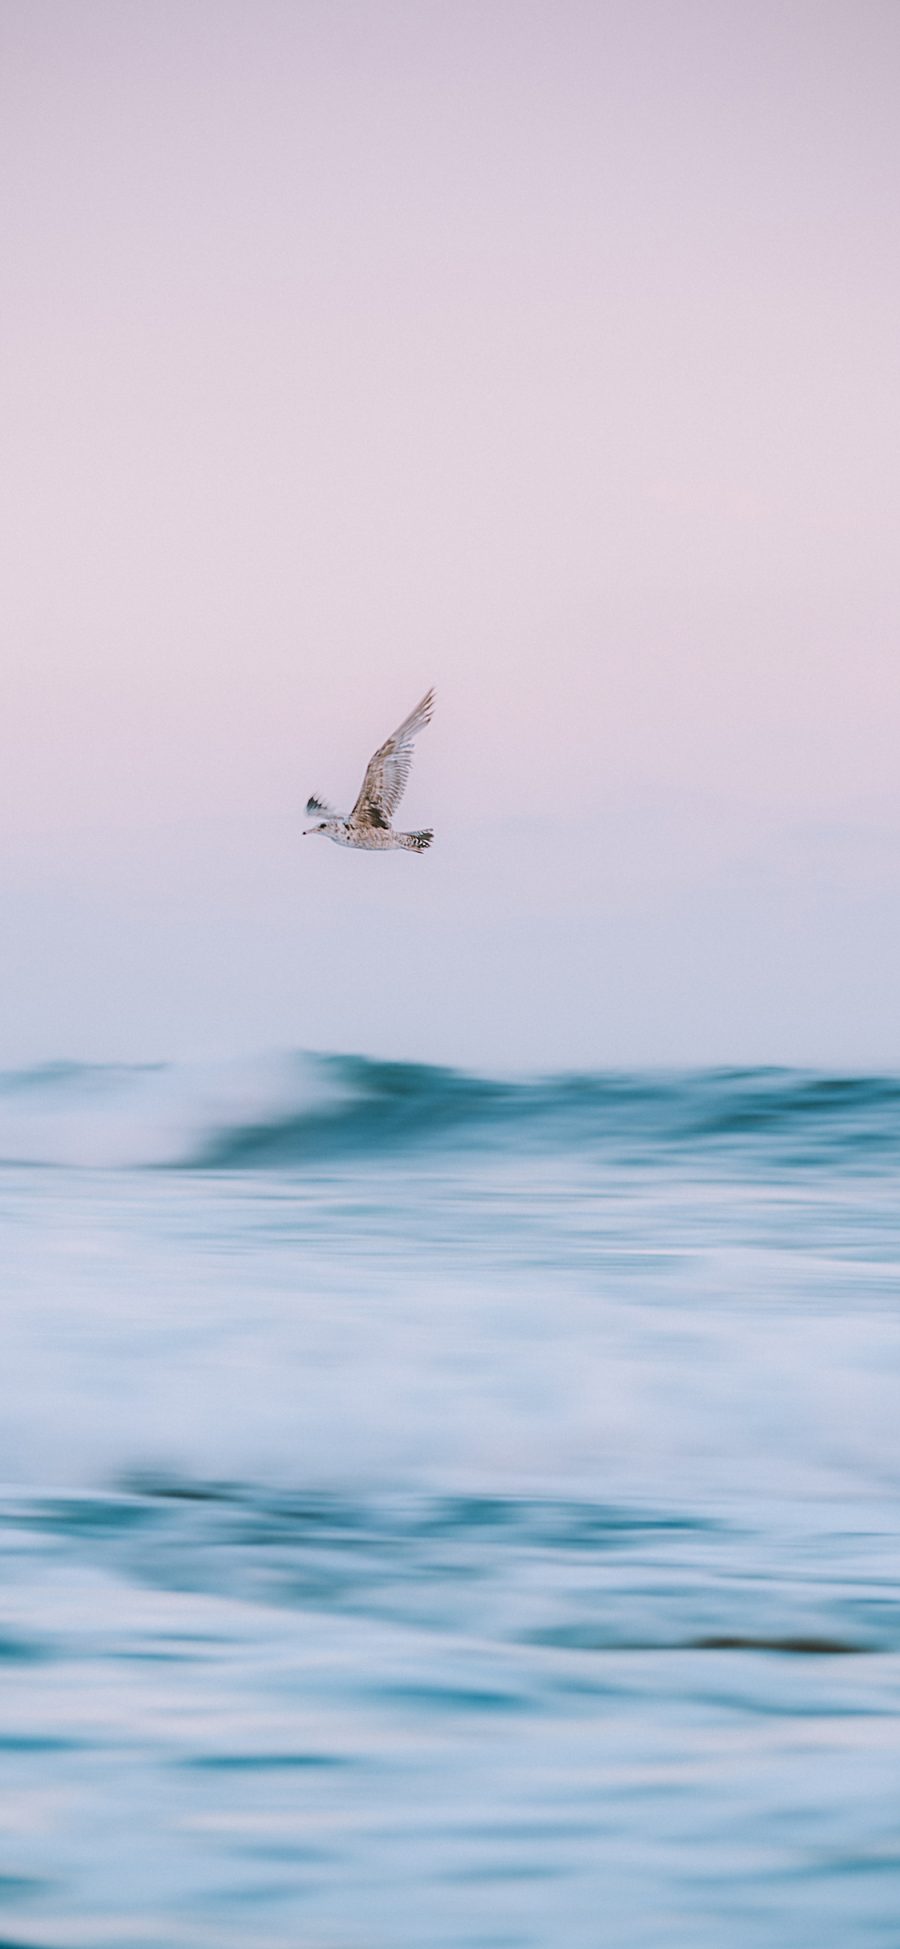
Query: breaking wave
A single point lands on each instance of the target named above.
(296, 1111)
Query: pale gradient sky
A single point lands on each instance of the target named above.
(549, 353)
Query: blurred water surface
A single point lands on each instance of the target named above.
(444, 1513)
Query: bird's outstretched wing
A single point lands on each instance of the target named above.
(317, 808)
(387, 772)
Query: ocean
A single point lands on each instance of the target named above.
(449, 1512)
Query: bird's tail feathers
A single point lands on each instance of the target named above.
(416, 842)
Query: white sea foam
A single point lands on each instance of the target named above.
(116, 1116)
(446, 1330)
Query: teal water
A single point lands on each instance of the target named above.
(439, 1513)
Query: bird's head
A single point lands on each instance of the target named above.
(331, 827)
(326, 819)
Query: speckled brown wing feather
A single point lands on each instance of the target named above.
(387, 772)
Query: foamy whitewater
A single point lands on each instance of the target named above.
(446, 1512)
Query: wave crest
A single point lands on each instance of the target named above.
(294, 1111)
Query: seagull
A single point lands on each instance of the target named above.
(369, 824)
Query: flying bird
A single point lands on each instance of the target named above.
(369, 824)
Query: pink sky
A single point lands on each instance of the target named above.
(544, 352)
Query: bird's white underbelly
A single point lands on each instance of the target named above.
(373, 839)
